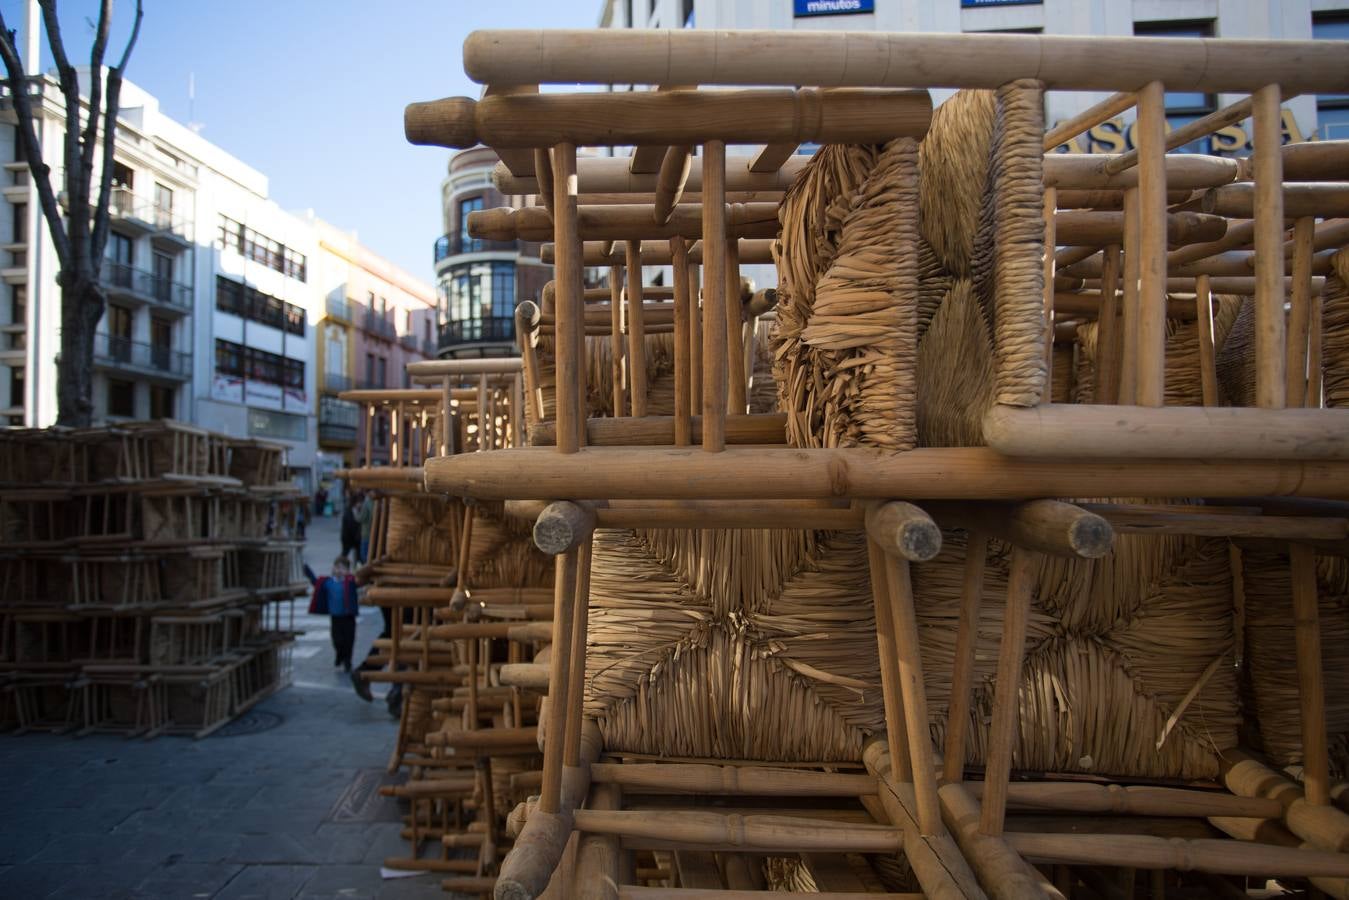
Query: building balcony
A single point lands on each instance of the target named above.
(457, 243)
(378, 325)
(125, 355)
(128, 282)
(165, 226)
(338, 422)
(492, 330)
(336, 382)
(339, 308)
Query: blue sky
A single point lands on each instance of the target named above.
(311, 93)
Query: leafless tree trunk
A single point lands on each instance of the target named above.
(79, 240)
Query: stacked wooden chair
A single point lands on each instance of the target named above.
(469, 599)
(121, 595)
(1029, 583)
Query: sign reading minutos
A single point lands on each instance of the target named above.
(802, 8)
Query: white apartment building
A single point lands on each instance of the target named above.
(213, 304)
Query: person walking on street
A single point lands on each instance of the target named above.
(335, 596)
(351, 529)
(364, 513)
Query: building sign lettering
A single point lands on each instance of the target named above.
(1114, 136)
(803, 8)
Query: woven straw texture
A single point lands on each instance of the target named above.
(1271, 648)
(1335, 335)
(847, 285)
(502, 553)
(659, 350)
(741, 645)
(1112, 646)
(1183, 378)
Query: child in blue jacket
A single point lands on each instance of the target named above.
(335, 597)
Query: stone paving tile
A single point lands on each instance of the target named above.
(225, 817)
(21, 846)
(266, 883)
(105, 882)
(188, 880)
(384, 841)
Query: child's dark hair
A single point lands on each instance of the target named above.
(342, 561)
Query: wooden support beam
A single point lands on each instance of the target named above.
(772, 156)
(926, 473)
(1047, 526)
(762, 781)
(1095, 431)
(936, 861)
(1002, 729)
(690, 56)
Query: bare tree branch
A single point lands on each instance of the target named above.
(89, 140)
(114, 97)
(131, 41)
(78, 227)
(32, 146)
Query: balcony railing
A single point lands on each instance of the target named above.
(409, 342)
(457, 242)
(429, 347)
(338, 421)
(125, 205)
(125, 353)
(377, 324)
(336, 381)
(477, 331)
(339, 308)
(122, 277)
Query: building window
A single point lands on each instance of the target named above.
(229, 358)
(469, 244)
(266, 423)
(233, 235)
(478, 301)
(121, 249)
(16, 385)
(229, 296)
(18, 304)
(369, 370)
(20, 231)
(121, 398)
(237, 361)
(381, 430)
(251, 303)
(162, 405)
(1332, 110)
(163, 206)
(119, 324)
(686, 13)
(1183, 106)
(294, 319)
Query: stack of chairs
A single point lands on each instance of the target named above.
(123, 608)
(469, 600)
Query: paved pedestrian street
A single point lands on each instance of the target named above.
(282, 803)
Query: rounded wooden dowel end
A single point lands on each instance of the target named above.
(762, 301)
(458, 600)
(563, 526)
(450, 122)
(904, 530)
(528, 312)
(1090, 536)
